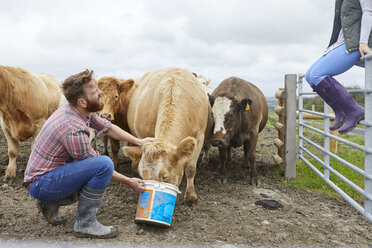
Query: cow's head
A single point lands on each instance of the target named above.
(162, 162)
(114, 91)
(227, 112)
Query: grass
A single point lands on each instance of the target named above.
(306, 179)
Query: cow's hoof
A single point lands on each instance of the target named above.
(9, 176)
(191, 200)
(222, 180)
(255, 182)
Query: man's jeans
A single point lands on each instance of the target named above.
(94, 172)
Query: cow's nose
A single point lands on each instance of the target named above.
(217, 143)
(107, 116)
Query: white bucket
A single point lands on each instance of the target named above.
(156, 203)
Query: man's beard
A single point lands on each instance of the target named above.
(94, 106)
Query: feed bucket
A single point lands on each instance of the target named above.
(156, 203)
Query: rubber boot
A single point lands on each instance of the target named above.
(86, 224)
(50, 210)
(339, 96)
(322, 90)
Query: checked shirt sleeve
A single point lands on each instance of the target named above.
(78, 146)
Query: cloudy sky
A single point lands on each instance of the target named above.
(259, 41)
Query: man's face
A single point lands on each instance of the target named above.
(92, 96)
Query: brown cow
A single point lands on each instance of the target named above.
(116, 94)
(240, 113)
(171, 106)
(26, 102)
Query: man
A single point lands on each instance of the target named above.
(64, 168)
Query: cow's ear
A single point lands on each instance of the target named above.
(133, 152)
(126, 85)
(186, 148)
(245, 105)
(211, 99)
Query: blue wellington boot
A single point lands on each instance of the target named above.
(339, 97)
(322, 90)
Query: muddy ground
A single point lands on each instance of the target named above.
(225, 215)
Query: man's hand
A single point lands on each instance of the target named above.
(137, 184)
(364, 49)
(141, 142)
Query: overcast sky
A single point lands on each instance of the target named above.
(257, 40)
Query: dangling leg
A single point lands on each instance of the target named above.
(348, 113)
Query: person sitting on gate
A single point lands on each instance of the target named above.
(351, 40)
(64, 168)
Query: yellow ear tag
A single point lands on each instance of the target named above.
(132, 158)
(247, 107)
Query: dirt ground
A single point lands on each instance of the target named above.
(225, 215)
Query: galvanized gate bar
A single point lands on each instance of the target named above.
(344, 162)
(350, 183)
(346, 142)
(368, 134)
(350, 200)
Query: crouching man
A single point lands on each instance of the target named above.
(64, 168)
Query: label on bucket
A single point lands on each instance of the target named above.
(163, 207)
(156, 206)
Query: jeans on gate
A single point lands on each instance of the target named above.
(94, 172)
(333, 63)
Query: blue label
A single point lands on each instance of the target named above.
(163, 207)
(144, 200)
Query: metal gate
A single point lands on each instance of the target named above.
(365, 210)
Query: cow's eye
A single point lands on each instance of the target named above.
(116, 96)
(229, 117)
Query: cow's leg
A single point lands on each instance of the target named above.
(105, 146)
(115, 146)
(13, 151)
(223, 161)
(205, 152)
(250, 157)
(190, 171)
(228, 161)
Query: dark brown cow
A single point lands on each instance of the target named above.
(240, 113)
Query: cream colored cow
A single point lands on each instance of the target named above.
(26, 102)
(171, 106)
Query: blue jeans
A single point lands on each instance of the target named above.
(94, 172)
(333, 63)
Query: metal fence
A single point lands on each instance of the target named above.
(365, 210)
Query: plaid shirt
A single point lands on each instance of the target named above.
(64, 138)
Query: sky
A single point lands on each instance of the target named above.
(259, 41)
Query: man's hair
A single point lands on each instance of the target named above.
(72, 87)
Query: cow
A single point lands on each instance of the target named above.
(116, 94)
(205, 83)
(240, 113)
(170, 105)
(26, 102)
(204, 155)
